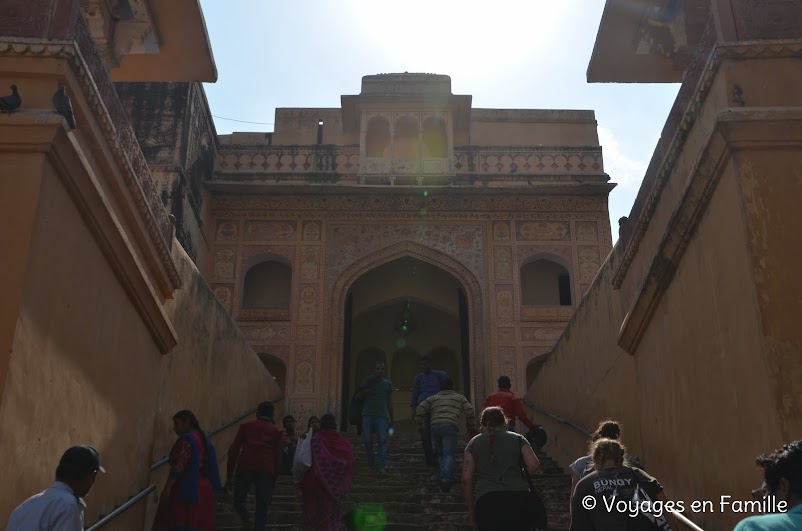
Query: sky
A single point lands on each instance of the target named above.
(507, 54)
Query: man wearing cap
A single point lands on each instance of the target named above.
(506, 400)
(61, 507)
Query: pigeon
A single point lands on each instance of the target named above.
(11, 102)
(63, 105)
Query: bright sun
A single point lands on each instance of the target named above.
(457, 37)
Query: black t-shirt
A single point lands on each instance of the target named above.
(604, 489)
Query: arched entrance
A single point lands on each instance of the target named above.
(406, 301)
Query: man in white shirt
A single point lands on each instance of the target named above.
(60, 507)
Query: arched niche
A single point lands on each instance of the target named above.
(405, 139)
(435, 139)
(267, 284)
(276, 368)
(377, 140)
(545, 282)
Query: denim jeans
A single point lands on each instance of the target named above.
(264, 492)
(444, 437)
(372, 424)
(426, 438)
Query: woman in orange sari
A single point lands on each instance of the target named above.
(328, 480)
(187, 501)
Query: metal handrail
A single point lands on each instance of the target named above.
(557, 418)
(684, 520)
(681, 517)
(122, 508)
(164, 460)
(147, 490)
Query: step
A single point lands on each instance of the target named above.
(408, 496)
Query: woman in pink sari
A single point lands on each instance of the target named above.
(328, 480)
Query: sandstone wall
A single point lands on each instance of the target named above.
(514, 127)
(84, 368)
(174, 127)
(685, 337)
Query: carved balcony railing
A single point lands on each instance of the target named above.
(287, 160)
(504, 162)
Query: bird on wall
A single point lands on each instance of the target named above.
(63, 105)
(12, 101)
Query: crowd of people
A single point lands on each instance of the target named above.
(495, 475)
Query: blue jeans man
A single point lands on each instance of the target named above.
(426, 440)
(264, 492)
(375, 424)
(444, 437)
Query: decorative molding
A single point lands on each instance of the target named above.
(110, 115)
(269, 231)
(357, 206)
(692, 206)
(680, 230)
(350, 241)
(345, 160)
(529, 231)
(263, 314)
(660, 170)
(547, 313)
(47, 134)
(266, 334)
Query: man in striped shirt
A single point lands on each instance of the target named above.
(446, 407)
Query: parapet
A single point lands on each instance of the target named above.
(406, 83)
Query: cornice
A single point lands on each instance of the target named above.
(131, 164)
(736, 129)
(385, 205)
(719, 53)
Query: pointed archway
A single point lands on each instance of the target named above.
(470, 314)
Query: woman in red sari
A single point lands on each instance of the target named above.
(325, 484)
(187, 501)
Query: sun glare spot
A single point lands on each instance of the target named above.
(459, 38)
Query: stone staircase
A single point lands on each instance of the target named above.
(407, 497)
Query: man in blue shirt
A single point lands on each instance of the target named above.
(426, 384)
(377, 415)
(782, 481)
(60, 507)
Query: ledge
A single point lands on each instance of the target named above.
(736, 129)
(45, 132)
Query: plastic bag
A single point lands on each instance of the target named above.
(303, 458)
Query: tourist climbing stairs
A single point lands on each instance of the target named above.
(407, 497)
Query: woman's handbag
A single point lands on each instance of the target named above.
(303, 457)
(537, 437)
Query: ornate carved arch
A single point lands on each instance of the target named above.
(478, 364)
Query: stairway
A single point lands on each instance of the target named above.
(408, 497)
